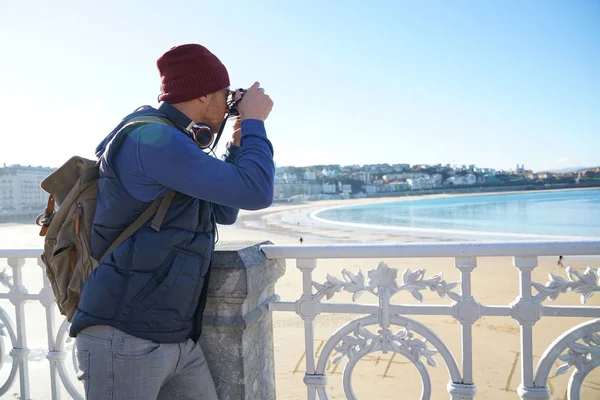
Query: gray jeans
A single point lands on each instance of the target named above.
(115, 365)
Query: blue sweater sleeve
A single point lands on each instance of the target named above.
(226, 215)
(167, 157)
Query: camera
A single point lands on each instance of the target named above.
(232, 103)
(232, 112)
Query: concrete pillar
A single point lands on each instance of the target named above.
(237, 333)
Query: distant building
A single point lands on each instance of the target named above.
(363, 176)
(385, 169)
(537, 176)
(290, 178)
(429, 182)
(330, 188)
(420, 166)
(543, 175)
(485, 171)
(287, 190)
(395, 187)
(461, 180)
(329, 173)
(279, 178)
(20, 187)
(490, 178)
(310, 175)
(344, 188)
(400, 167)
(371, 189)
(532, 176)
(404, 176)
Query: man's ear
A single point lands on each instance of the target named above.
(203, 99)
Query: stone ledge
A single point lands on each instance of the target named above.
(219, 322)
(240, 269)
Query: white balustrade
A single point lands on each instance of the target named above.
(385, 326)
(18, 295)
(393, 331)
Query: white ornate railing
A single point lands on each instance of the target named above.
(57, 337)
(578, 347)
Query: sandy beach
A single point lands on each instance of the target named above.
(496, 343)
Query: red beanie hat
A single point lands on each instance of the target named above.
(188, 72)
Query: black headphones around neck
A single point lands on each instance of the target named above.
(202, 134)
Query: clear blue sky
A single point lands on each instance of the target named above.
(491, 83)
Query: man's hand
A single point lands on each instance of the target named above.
(236, 138)
(255, 104)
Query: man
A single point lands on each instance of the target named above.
(140, 314)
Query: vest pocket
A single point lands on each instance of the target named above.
(178, 290)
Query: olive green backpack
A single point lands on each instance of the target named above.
(67, 231)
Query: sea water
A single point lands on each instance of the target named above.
(568, 214)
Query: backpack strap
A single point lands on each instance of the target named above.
(90, 174)
(158, 208)
(162, 210)
(127, 127)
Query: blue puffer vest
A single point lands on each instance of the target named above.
(153, 285)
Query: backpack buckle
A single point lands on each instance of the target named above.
(45, 218)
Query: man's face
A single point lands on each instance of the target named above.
(217, 108)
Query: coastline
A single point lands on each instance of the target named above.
(300, 220)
